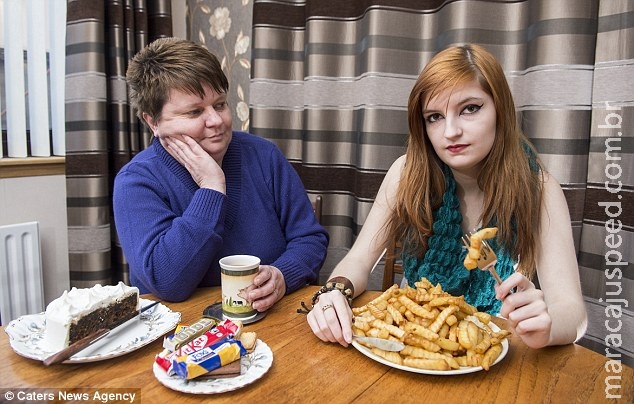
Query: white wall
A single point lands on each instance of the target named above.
(41, 199)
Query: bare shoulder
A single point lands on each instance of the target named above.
(551, 187)
(394, 173)
(398, 164)
(553, 197)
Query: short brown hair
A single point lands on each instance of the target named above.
(167, 64)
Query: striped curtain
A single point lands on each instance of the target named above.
(102, 132)
(331, 79)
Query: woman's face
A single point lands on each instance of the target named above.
(460, 123)
(207, 120)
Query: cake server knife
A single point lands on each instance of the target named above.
(90, 339)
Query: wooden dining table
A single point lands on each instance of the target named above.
(307, 370)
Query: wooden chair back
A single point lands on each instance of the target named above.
(392, 264)
(317, 202)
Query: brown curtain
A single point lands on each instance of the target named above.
(331, 79)
(102, 132)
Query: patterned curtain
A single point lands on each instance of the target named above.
(102, 132)
(331, 79)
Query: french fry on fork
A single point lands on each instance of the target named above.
(480, 254)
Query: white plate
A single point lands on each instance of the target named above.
(470, 369)
(26, 335)
(253, 366)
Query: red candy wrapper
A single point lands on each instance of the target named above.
(225, 329)
(207, 359)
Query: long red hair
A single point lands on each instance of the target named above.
(512, 191)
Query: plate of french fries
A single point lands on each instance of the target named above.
(443, 334)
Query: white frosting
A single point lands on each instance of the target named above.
(72, 305)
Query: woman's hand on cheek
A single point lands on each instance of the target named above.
(527, 313)
(202, 167)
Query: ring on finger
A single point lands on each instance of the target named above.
(326, 307)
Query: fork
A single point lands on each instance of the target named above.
(487, 259)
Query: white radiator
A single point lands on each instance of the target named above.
(21, 285)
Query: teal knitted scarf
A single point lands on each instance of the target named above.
(443, 261)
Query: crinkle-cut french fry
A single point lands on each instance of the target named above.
(389, 319)
(448, 345)
(463, 334)
(417, 352)
(486, 233)
(424, 296)
(497, 337)
(483, 344)
(376, 312)
(437, 290)
(466, 307)
(475, 243)
(383, 334)
(415, 308)
(453, 333)
(485, 327)
(485, 318)
(373, 332)
(462, 360)
(501, 334)
(357, 331)
(451, 320)
(359, 310)
(409, 316)
(411, 292)
(383, 296)
(444, 331)
(429, 364)
(473, 358)
(490, 356)
(397, 332)
(425, 322)
(424, 283)
(442, 317)
(393, 357)
(397, 317)
(460, 315)
(362, 325)
(420, 330)
(473, 331)
(418, 341)
(445, 301)
(469, 262)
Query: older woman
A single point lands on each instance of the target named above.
(468, 165)
(201, 191)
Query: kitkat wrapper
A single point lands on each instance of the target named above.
(225, 329)
(207, 359)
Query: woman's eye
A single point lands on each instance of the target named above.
(220, 106)
(432, 118)
(472, 108)
(194, 112)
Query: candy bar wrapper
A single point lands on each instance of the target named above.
(223, 330)
(185, 335)
(207, 359)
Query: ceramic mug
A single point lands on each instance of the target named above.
(236, 276)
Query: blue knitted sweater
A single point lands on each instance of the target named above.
(173, 233)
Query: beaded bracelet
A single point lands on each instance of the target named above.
(344, 285)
